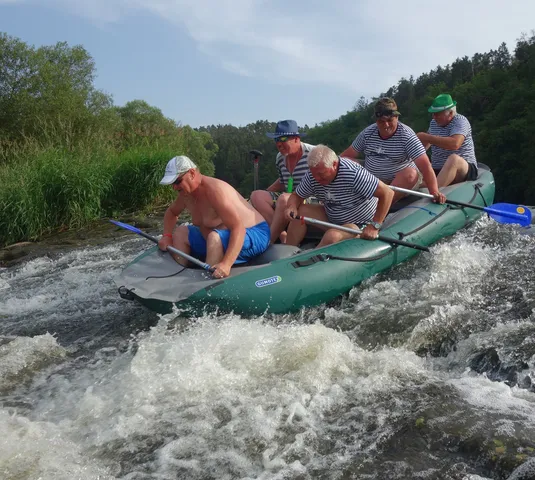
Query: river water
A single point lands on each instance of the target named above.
(426, 371)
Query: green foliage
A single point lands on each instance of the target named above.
(58, 189)
(233, 162)
(494, 90)
(48, 86)
(67, 154)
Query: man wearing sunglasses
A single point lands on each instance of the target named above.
(450, 138)
(291, 163)
(393, 152)
(225, 230)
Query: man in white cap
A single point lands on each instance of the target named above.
(226, 230)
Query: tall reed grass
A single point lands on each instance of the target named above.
(58, 189)
(68, 176)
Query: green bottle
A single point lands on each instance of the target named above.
(290, 185)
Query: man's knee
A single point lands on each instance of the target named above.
(181, 234)
(408, 175)
(257, 197)
(332, 236)
(282, 202)
(213, 240)
(456, 160)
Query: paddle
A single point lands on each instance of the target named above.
(355, 231)
(171, 249)
(501, 212)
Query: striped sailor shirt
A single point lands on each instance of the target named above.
(300, 168)
(459, 125)
(348, 198)
(385, 158)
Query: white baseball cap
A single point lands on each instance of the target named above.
(175, 167)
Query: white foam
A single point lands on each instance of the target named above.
(496, 396)
(236, 397)
(41, 450)
(24, 357)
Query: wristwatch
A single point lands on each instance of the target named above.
(375, 225)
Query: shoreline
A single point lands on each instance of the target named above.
(99, 232)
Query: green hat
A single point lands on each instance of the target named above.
(441, 103)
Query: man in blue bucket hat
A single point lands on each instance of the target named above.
(450, 137)
(292, 165)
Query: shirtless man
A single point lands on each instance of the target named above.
(226, 229)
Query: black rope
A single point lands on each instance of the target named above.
(168, 276)
(478, 186)
(324, 257)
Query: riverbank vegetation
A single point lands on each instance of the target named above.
(69, 156)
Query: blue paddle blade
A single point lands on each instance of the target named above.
(510, 213)
(125, 225)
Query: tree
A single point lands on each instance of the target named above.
(47, 93)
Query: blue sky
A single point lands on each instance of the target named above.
(209, 62)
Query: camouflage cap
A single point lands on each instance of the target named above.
(386, 107)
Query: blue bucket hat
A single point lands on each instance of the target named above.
(286, 128)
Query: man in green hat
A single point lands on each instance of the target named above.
(450, 138)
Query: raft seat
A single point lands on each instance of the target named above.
(274, 252)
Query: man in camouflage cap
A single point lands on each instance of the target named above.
(393, 152)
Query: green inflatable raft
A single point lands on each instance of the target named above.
(286, 278)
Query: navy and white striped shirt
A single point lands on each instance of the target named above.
(348, 198)
(459, 125)
(385, 158)
(300, 169)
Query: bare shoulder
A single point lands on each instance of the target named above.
(218, 188)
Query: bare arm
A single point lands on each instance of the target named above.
(447, 143)
(169, 221)
(276, 186)
(421, 137)
(294, 202)
(224, 206)
(385, 196)
(350, 153)
(424, 165)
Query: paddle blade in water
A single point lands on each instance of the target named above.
(510, 213)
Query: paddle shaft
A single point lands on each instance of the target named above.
(356, 231)
(174, 250)
(494, 211)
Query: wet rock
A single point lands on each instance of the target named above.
(13, 253)
(526, 471)
(489, 362)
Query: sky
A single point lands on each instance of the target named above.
(210, 62)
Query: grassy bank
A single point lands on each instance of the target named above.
(54, 189)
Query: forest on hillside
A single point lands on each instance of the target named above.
(494, 90)
(69, 156)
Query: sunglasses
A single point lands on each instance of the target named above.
(386, 113)
(282, 139)
(178, 181)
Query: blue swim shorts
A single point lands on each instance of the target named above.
(256, 241)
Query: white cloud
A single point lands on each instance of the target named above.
(361, 46)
